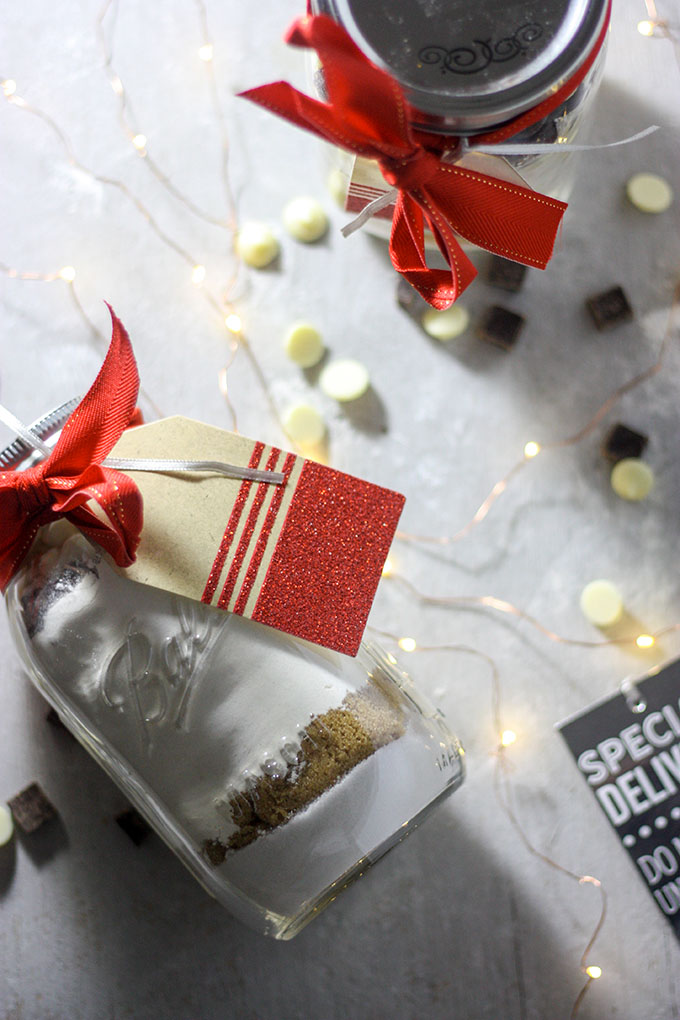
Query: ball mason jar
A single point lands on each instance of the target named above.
(468, 69)
(278, 771)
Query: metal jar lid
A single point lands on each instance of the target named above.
(468, 65)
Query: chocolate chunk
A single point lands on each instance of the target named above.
(31, 808)
(506, 274)
(621, 442)
(133, 825)
(410, 300)
(500, 326)
(609, 308)
(214, 851)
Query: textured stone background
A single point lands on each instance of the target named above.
(461, 921)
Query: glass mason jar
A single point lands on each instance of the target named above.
(277, 770)
(470, 68)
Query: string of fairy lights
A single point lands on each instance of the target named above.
(224, 306)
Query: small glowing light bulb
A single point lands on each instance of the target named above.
(508, 737)
(9, 87)
(531, 450)
(67, 273)
(388, 568)
(139, 142)
(232, 321)
(594, 972)
(644, 640)
(117, 85)
(407, 644)
(198, 275)
(206, 53)
(645, 27)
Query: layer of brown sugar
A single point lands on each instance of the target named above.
(333, 744)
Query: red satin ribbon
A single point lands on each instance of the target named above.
(73, 474)
(368, 115)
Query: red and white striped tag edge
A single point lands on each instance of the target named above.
(251, 527)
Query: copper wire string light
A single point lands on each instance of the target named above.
(137, 137)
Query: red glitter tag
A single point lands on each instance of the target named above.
(304, 557)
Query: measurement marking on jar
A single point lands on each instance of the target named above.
(445, 761)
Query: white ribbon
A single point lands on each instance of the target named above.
(31, 437)
(28, 436)
(530, 149)
(216, 466)
(387, 198)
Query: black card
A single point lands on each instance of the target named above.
(631, 761)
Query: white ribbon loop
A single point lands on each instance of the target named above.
(554, 148)
(381, 202)
(210, 466)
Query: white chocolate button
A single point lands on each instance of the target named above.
(601, 603)
(6, 825)
(337, 185)
(344, 380)
(303, 344)
(649, 193)
(304, 424)
(304, 219)
(632, 479)
(256, 245)
(447, 324)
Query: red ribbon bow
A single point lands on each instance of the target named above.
(73, 474)
(368, 115)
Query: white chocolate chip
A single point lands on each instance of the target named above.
(649, 193)
(601, 603)
(303, 344)
(337, 185)
(304, 424)
(632, 479)
(304, 219)
(6, 825)
(344, 380)
(447, 324)
(256, 245)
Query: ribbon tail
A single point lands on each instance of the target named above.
(16, 535)
(439, 287)
(105, 411)
(311, 114)
(13, 552)
(516, 223)
(366, 111)
(371, 101)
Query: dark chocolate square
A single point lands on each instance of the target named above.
(410, 300)
(506, 274)
(31, 808)
(500, 326)
(622, 441)
(54, 720)
(133, 825)
(609, 308)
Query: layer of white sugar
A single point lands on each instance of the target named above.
(196, 700)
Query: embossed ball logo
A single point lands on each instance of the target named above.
(476, 57)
